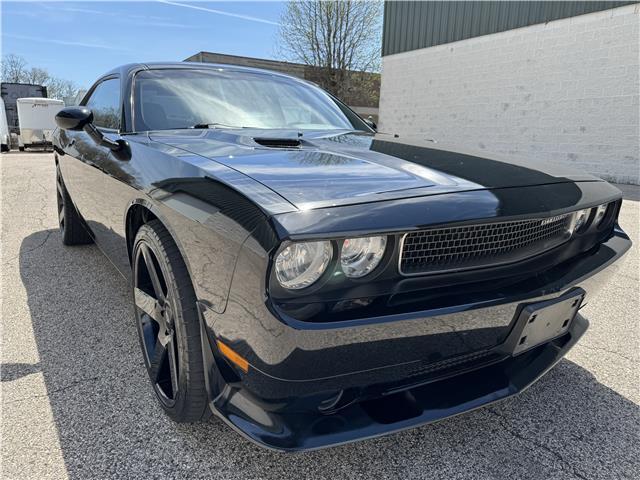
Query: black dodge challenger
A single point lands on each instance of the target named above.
(309, 280)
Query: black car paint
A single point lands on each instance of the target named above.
(229, 204)
(334, 169)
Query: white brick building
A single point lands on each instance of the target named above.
(566, 91)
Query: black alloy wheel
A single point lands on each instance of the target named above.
(156, 323)
(60, 200)
(72, 227)
(168, 324)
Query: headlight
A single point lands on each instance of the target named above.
(301, 264)
(580, 219)
(600, 212)
(361, 255)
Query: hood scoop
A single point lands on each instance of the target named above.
(278, 142)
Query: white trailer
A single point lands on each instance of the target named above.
(36, 118)
(5, 140)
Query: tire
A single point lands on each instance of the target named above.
(168, 324)
(4, 147)
(72, 227)
(21, 149)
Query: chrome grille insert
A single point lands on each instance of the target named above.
(474, 246)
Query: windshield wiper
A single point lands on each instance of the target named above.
(214, 125)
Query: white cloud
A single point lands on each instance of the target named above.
(63, 42)
(220, 12)
(146, 20)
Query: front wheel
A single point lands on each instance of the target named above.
(168, 325)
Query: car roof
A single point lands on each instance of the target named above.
(126, 70)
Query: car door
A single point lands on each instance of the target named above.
(88, 169)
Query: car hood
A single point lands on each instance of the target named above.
(342, 168)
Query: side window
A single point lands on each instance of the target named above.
(104, 102)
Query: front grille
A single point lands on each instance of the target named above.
(475, 246)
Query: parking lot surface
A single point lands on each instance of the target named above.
(76, 402)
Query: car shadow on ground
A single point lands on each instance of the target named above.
(568, 425)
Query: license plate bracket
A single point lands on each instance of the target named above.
(541, 322)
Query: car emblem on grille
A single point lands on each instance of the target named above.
(547, 221)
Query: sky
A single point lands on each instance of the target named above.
(80, 41)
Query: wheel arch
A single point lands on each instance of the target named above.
(141, 211)
(209, 237)
(137, 215)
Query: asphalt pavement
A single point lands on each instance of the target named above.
(76, 401)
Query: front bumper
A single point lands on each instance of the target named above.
(307, 388)
(395, 411)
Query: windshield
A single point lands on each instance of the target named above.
(181, 98)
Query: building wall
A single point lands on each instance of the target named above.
(409, 25)
(289, 68)
(565, 92)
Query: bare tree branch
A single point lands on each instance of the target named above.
(339, 37)
(61, 89)
(14, 70)
(38, 76)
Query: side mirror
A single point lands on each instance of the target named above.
(74, 118)
(369, 121)
(81, 118)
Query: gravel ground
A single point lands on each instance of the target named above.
(76, 402)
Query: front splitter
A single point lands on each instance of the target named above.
(394, 412)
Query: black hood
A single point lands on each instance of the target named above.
(342, 168)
